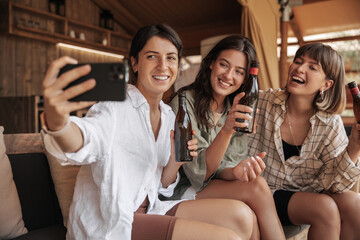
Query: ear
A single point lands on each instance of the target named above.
(211, 65)
(133, 64)
(328, 84)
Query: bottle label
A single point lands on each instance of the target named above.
(354, 91)
(254, 71)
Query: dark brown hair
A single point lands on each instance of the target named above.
(144, 34)
(334, 99)
(202, 84)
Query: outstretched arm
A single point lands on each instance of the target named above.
(58, 108)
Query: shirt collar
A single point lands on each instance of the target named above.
(280, 98)
(137, 99)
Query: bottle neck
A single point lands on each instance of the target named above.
(182, 101)
(254, 71)
(354, 91)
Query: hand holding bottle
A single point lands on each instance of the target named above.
(237, 111)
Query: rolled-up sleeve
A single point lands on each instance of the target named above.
(338, 164)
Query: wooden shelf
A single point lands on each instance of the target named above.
(44, 26)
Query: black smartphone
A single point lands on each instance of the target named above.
(111, 80)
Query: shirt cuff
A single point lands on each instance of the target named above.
(169, 191)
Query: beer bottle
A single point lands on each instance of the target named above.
(251, 97)
(356, 99)
(183, 131)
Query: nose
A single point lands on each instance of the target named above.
(229, 74)
(162, 64)
(301, 68)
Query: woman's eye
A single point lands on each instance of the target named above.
(223, 65)
(313, 68)
(172, 58)
(239, 72)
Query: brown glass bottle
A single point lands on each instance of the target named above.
(251, 89)
(183, 131)
(356, 99)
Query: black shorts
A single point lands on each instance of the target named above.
(282, 198)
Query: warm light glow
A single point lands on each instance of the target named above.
(90, 50)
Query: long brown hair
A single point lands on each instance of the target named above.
(333, 99)
(202, 86)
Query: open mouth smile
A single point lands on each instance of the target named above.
(161, 78)
(298, 80)
(224, 83)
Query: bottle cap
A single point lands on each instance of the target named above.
(352, 84)
(182, 94)
(254, 64)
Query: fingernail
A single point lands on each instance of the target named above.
(248, 163)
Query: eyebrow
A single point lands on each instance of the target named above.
(223, 59)
(170, 53)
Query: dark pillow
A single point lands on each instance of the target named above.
(40, 206)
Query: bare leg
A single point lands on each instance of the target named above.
(349, 207)
(228, 215)
(255, 235)
(318, 210)
(257, 195)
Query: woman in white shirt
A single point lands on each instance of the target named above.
(126, 149)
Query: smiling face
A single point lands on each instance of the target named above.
(306, 77)
(227, 73)
(157, 67)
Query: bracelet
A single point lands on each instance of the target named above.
(53, 133)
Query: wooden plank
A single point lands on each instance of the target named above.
(17, 114)
(7, 67)
(23, 143)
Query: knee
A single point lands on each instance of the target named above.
(348, 204)
(243, 217)
(260, 190)
(328, 212)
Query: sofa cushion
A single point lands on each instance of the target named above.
(11, 222)
(64, 178)
(55, 232)
(40, 207)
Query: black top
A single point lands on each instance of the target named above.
(290, 150)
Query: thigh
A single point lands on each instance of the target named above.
(214, 211)
(150, 227)
(243, 191)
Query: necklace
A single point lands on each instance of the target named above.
(291, 131)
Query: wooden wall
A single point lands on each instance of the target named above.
(24, 63)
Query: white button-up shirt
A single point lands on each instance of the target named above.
(122, 164)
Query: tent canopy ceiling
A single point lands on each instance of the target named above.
(325, 16)
(201, 19)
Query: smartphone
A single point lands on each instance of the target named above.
(111, 80)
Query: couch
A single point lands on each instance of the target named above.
(40, 208)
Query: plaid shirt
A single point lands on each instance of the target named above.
(323, 162)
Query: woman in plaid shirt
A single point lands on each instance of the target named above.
(311, 164)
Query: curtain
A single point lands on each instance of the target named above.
(260, 23)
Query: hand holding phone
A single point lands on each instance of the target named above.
(111, 80)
